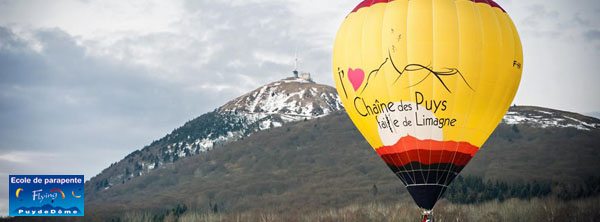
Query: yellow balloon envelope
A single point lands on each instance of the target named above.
(426, 82)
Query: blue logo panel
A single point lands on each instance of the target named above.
(46, 195)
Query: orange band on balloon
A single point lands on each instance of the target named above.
(410, 149)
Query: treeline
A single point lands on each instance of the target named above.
(474, 189)
(569, 191)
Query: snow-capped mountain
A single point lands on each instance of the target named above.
(274, 105)
(271, 105)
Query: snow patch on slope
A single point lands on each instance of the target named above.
(544, 119)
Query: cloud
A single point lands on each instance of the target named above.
(12, 158)
(4, 206)
(538, 14)
(577, 19)
(62, 100)
(592, 35)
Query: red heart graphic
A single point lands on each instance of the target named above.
(356, 77)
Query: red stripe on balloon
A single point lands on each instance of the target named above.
(426, 157)
(410, 149)
(489, 2)
(368, 3)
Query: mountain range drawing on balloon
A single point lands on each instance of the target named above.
(357, 76)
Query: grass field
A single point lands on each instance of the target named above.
(545, 209)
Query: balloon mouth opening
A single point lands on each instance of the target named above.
(426, 196)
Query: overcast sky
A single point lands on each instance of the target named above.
(83, 83)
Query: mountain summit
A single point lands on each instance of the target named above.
(272, 105)
(292, 98)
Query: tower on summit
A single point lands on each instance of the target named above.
(296, 64)
(297, 74)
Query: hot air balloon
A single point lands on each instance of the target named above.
(426, 82)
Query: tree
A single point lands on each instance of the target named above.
(374, 190)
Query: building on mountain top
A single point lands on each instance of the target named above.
(305, 76)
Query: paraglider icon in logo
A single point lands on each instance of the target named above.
(73, 193)
(57, 190)
(426, 82)
(18, 191)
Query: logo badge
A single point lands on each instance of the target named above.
(46, 195)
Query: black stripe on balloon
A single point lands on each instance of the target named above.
(439, 166)
(436, 174)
